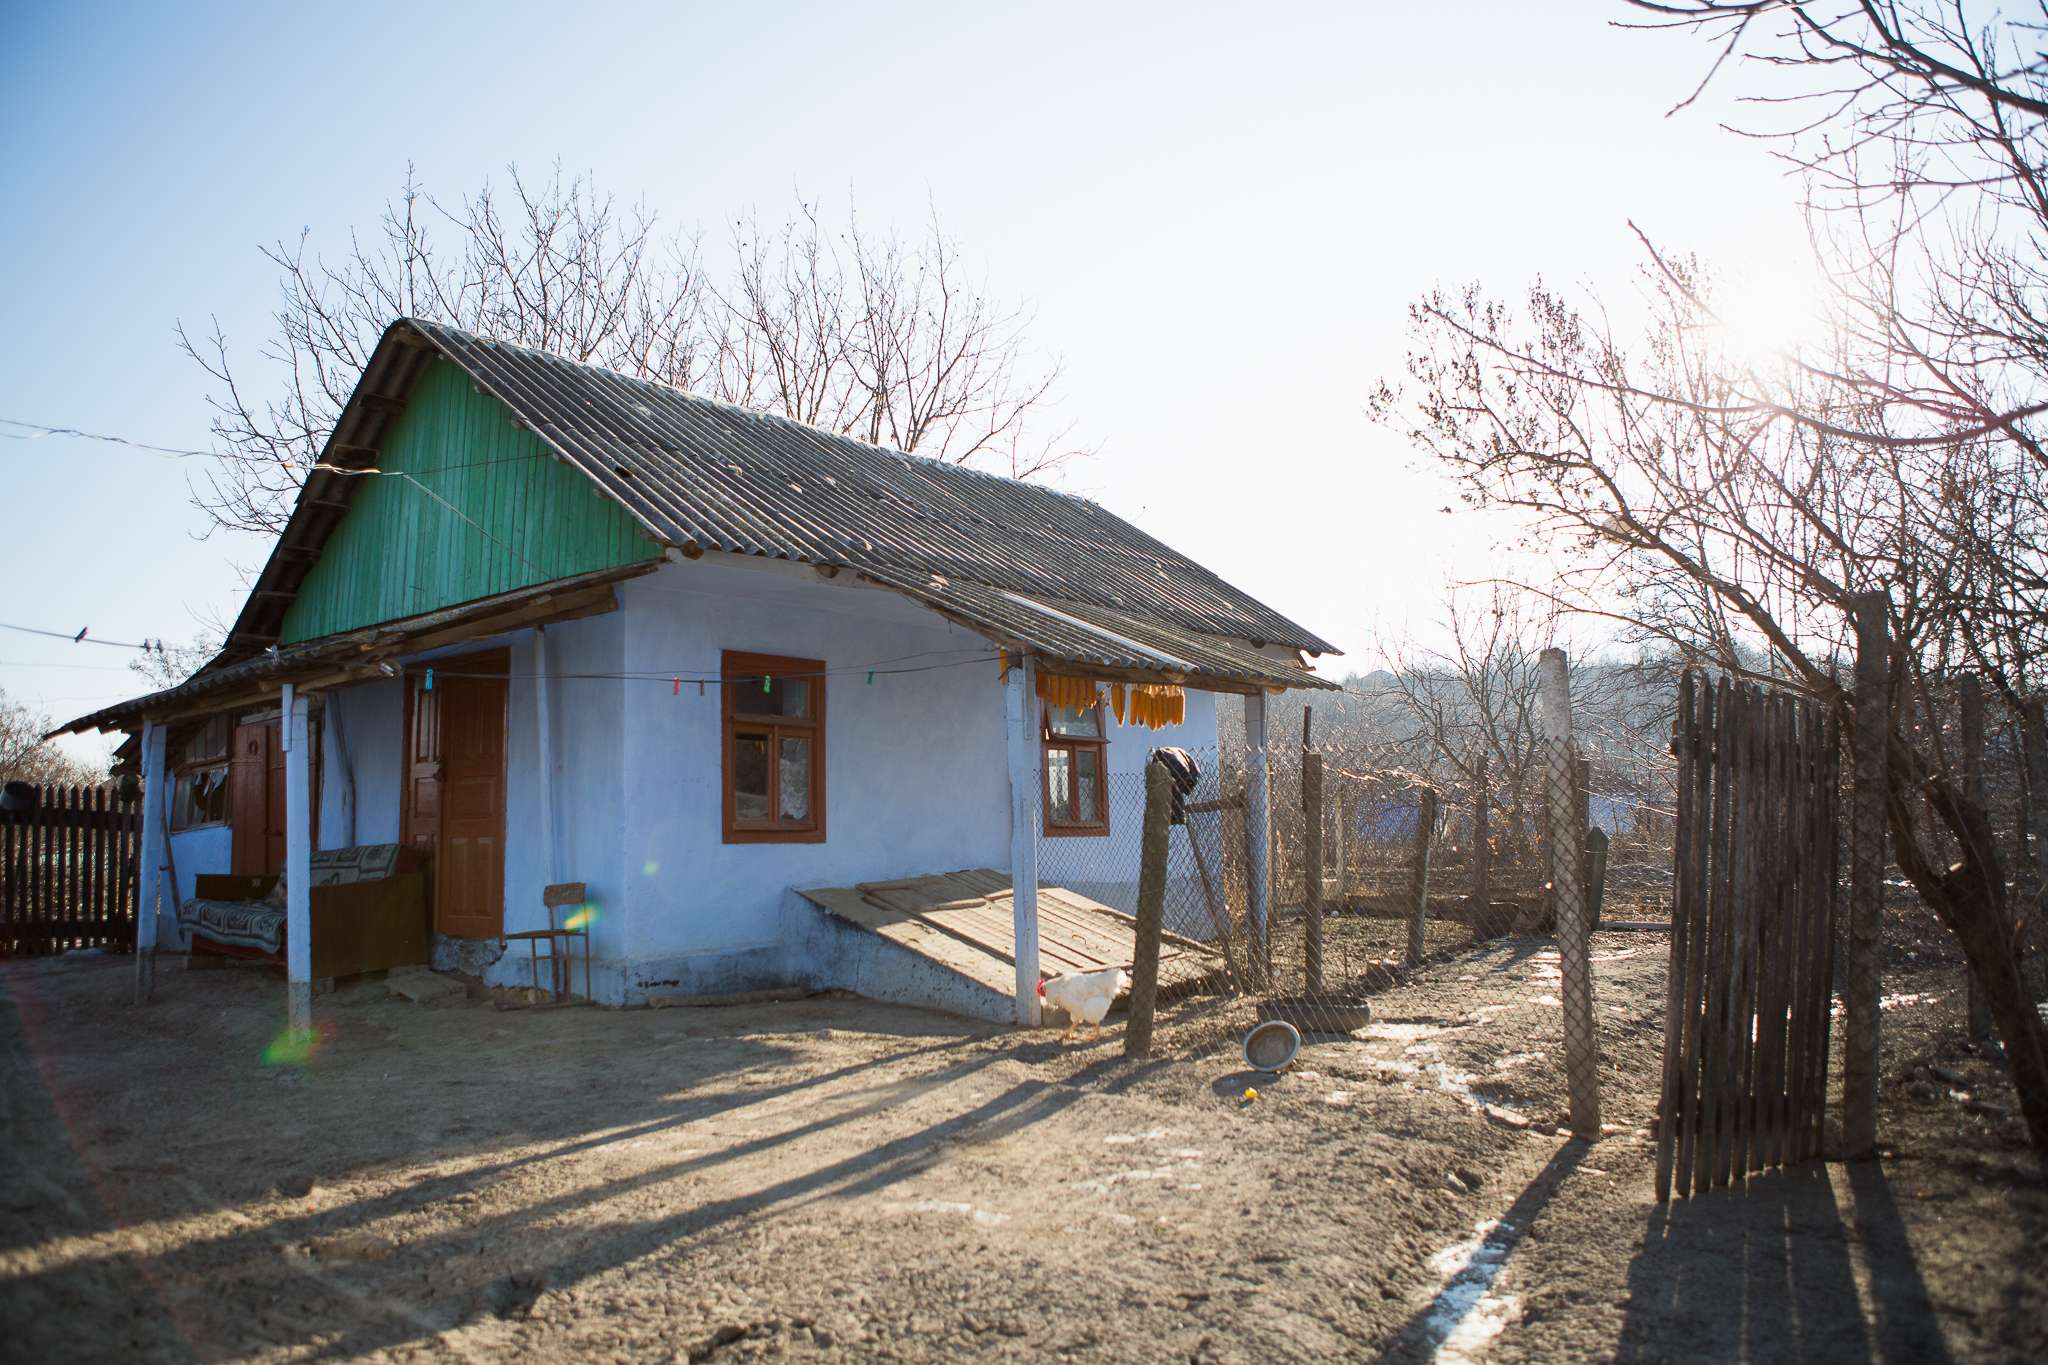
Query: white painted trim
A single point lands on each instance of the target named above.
(1020, 710)
(298, 860)
(1126, 641)
(150, 857)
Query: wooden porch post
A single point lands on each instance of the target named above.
(298, 861)
(150, 859)
(1020, 702)
(1258, 832)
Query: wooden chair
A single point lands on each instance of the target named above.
(567, 898)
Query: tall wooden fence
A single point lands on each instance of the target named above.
(1752, 935)
(67, 872)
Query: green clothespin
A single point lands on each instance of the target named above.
(765, 680)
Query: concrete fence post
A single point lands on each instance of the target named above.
(1312, 872)
(1561, 791)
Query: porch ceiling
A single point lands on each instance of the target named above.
(359, 654)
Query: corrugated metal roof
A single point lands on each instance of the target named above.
(699, 475)
(1112, 641)
(705, 474)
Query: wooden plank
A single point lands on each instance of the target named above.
(1742, 965)
(10, 882)
(1714, 991)
(1668, 1108)
(1771, 959)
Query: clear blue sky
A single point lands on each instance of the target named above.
(1218, 215)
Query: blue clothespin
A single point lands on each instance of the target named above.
(430, 681)
(871, 677)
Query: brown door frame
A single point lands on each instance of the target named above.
(483, 661)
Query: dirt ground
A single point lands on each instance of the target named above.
(833, 1177)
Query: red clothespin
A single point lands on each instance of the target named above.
(676, 690)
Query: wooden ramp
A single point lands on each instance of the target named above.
(962, 921)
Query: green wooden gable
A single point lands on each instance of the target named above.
(496, 513)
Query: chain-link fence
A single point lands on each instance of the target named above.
(1373, 867)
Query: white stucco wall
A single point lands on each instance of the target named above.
(915, 772)
(360, 756)
(916, 775)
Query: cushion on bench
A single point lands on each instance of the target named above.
(237, 924)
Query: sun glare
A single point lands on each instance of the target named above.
(1769, 318)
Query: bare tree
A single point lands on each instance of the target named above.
(861, 332)
(1731, 521)
(163, 664)
(25, 756)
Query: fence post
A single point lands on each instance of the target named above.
(1020, 723)
(1312, 871)
(1581, 1044)
(1970, 695)
(1866, 877)
(1482, 855)
(1418, 872)
(1151, 909)
(1258, 838)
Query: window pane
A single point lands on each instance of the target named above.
(795, 792)
(1068, 723)
(1086, 777)
(1059, 786)
(767, 695)
(750, 778)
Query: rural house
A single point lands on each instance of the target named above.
(534, 623)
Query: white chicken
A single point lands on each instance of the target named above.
(1085, 996)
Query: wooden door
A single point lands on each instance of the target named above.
(249, 801)
(457, 779)
(256, 798)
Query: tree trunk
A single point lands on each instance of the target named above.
(1978, 919)
(1970, 899)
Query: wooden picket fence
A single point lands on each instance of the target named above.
(67, 872)
(1752, 935)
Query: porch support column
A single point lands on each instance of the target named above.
(298, 861)
(150, 860)
(1020, 704)
(544, 723)
(1258, 830)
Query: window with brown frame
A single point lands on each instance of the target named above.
(774, 789)
(1076, 787)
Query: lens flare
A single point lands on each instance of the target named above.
(585, 916)
(298, 1046)
(649, 868)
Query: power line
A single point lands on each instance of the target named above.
(79, 637)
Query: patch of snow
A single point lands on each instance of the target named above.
(1467, 1313)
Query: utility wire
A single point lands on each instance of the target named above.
(79, 637)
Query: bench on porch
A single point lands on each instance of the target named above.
(369, 912)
